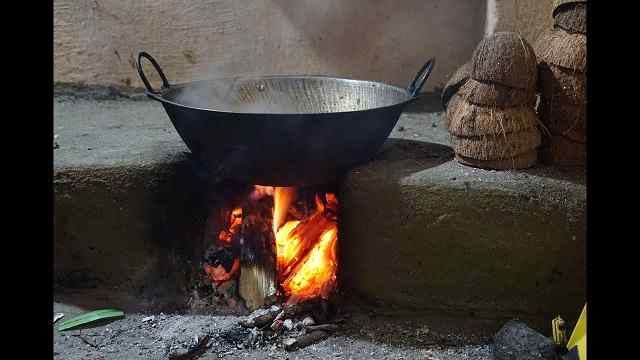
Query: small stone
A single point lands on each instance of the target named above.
(401, 128)
(148, 318)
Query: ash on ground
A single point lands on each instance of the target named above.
(359, 336)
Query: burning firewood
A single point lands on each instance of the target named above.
(277, 254)
(299, 241)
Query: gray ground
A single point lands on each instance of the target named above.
(363, 336)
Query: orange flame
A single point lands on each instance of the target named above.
(306, 250)
(315, 275)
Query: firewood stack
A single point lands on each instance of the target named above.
(490, 105)
(562, 84)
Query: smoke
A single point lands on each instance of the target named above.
(206, 95)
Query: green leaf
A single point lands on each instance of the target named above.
(90, 317)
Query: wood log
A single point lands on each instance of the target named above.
(259, 321)
(257, 285)
(306, 340)
(258, 274)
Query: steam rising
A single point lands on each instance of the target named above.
(237, 95)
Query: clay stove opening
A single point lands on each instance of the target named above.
(274, 245)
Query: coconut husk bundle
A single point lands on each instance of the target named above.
(569, 85)
(491, 94)
(562, 84)
(563, 118)
(507, 59)
(493, 147)
(469, 120)
(491, 116)
(562, 49)
(570, 16)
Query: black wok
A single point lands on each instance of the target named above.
(283, 130)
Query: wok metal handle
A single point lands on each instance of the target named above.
(165, 83)
(421, 78)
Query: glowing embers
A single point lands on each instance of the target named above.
(223, 263)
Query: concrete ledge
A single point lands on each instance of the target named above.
(419, 231)
(424, 232)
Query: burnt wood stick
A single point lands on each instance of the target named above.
(306, 340)
(193, 353)
(258, 321)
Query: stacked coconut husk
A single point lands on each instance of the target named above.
(571, 16)
(490, 105)
(562, 84)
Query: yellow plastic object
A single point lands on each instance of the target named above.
(559, 330)
(578, 340)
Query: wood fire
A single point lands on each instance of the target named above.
(289, 254)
